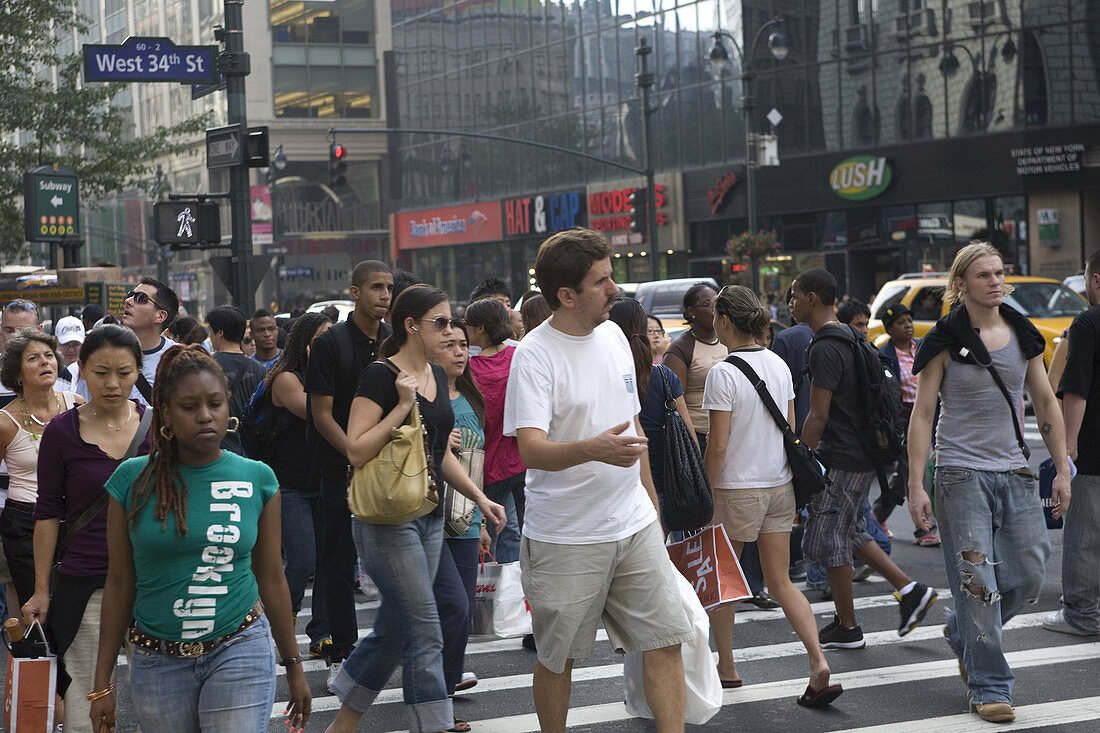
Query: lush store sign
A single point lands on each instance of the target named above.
(861, 178)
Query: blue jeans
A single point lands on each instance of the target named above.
(995, 546)
(229, 690)
(509, 494)
(401, 560)
(454, 607)
(1081, 534)
(301, 514)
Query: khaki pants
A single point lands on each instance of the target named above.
(80, 661)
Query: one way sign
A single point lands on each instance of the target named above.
(225, 146)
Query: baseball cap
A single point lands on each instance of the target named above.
(69, 329)
(893, 312)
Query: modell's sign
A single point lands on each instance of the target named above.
(450, 225)
(609, 212)
(861, 178)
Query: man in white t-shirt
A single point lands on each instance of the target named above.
(592, 545)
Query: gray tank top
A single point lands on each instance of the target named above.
(975, 429)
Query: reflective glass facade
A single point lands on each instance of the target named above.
(860, 73)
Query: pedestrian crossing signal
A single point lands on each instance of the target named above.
(337, 165)
(187, 224)
(639, 214)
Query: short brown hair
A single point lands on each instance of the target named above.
(565, 258)
(11, 368)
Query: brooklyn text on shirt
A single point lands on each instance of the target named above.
(199, 608)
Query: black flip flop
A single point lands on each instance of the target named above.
(461, 726)
(812, 698)
(731, 684)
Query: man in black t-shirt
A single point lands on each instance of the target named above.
(837, 527)
(1080, 393)
(227, 324)
(336, 359)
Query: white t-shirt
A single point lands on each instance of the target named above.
(574, 388)
(755, 458)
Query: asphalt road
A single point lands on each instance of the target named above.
(892, 684)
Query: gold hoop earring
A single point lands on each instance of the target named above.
(234, 423)
(166, 432)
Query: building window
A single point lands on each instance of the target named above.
(866, 124)
(978, 101)
(1036, 105)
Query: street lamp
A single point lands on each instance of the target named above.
(644, 81)
(278, 165)
(779, 45)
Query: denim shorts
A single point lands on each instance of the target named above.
(228, 690)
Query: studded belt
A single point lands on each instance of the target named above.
(190, 649)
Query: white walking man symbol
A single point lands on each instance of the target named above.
(186, 220)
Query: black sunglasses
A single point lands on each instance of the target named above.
(141, 298)
(441, 322)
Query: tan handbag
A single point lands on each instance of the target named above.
(458, 511)
(395, 486)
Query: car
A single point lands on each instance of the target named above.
(1049, 304)
(343, 306)
(1076, 283)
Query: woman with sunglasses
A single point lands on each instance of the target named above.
(692, 355)
(750, 478)
(402, 559)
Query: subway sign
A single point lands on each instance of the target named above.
(861, 178)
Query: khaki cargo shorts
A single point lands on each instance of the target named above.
(628, 583)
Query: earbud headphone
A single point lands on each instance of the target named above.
(415, 328)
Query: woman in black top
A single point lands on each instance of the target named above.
(402, 559)
(291, 461)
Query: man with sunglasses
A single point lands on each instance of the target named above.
(148, 310)
(336, 359)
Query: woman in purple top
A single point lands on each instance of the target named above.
(79, 451)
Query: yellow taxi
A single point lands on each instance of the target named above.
(1049, 304)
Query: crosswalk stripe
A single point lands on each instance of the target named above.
(769, 651)
(1029, 716)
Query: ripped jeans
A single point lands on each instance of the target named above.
(995, 547)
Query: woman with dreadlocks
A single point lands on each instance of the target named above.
(193, 538)
(290, 459)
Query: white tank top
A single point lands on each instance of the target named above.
(22, 457)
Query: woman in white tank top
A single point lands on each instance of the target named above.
(30, 366)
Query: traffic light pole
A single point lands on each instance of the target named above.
(234, 65)
(644, 80)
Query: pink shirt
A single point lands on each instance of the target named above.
(491, 376)
(905, 365)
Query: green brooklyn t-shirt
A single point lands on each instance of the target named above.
(199, 586)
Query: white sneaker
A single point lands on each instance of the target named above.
(333, 670)
(1056, 621)
(368, 588)
(469, 679)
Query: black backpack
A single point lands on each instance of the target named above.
(882, 433)
(256, 428)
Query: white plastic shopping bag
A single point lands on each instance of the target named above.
(704, 688)
(500, 608)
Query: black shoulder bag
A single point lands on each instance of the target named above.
(1011, 408)
(685, 496)
(810, 473)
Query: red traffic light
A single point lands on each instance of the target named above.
(339, 152)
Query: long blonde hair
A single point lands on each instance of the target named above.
(964, 258)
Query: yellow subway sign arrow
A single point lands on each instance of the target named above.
(861, 178)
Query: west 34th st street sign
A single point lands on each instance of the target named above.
(150, 59)
(51, 205)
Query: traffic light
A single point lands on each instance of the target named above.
(337, 165)
(639, 215)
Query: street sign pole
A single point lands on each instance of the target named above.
(234, 66)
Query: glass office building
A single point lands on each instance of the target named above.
(985, 113)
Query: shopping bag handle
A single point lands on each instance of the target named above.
(482, 555)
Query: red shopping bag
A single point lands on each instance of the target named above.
(709, 563)
(29, 693)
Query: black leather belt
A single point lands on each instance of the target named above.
(190, 649)
(26, 507)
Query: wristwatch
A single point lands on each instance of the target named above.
(288, 663)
